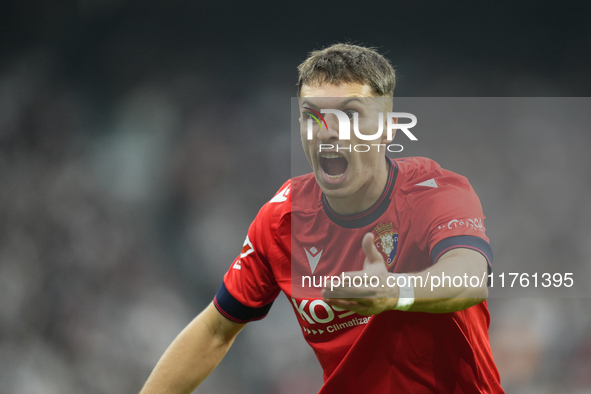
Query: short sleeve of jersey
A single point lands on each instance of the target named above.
(446, 214)
(249, 287)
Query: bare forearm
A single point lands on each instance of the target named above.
(446, 298)
(192, 356)
(372, 300)
(185, 364)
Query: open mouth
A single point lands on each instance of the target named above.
(333, 164)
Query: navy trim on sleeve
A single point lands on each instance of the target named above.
(464, 241)
(234, 310)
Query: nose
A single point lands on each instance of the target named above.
(332, 133)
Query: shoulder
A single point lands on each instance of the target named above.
(413, 167)
(420, 176)
(283, 203)
(428, 190)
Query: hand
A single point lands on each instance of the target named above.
(366, 299)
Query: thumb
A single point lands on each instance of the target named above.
(372, 253)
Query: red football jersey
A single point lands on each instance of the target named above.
(423, 212)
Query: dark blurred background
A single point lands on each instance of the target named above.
(139, 139)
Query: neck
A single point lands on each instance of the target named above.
(366, 196)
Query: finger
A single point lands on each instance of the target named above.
(349, 296)
(353, 301)
(349, 292)
(344, 303)
(372, 253)
(353, 306)
(340, 303)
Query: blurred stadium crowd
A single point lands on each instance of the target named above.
(113, 238)
(121, 209)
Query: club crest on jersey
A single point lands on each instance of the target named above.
(386, 240)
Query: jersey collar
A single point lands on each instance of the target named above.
(371, 214)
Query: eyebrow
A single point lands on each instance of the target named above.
(341, 104)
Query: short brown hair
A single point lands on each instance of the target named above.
(345, 63)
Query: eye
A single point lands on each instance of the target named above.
(350, 113)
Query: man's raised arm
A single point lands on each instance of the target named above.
(195, 352)
(432, 296)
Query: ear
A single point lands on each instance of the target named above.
(385, 139)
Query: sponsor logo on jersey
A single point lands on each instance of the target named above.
(313, 256)
(386, 241)
(282, 195)
(475, 224)
(247, 248)
(316, 311)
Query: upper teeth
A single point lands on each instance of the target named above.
(330, 156)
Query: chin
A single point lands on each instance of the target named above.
(334, 191)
